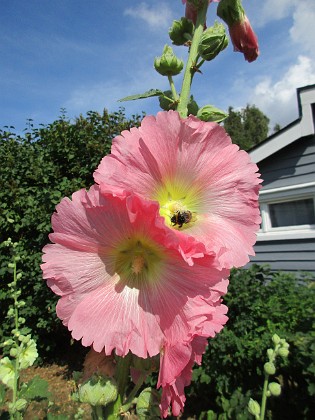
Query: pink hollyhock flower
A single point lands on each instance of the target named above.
(182, 357)
(244, 39)
(241, 32)
(121, 276)
(191, 11)
(206, 187)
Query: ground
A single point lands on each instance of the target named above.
(61, 385)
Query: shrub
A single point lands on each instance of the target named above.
(260, 304)
(38, 169)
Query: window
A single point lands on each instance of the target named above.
(292, 213)
(288, 213)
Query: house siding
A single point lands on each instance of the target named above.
(293, 256)
(292, 165)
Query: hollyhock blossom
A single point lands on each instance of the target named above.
(177, 362)
(244, 39)
(191, 10)
(206, 187)
(122, 280)
(242, 35)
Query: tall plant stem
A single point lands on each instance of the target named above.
(264, 398)
(17, 362)
(192, 58)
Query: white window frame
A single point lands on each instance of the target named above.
(281, 195)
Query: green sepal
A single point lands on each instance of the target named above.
(181, 31)
(148, 94)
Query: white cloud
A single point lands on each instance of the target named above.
(156, 17)
(278, 99)
(274, 10)
(303, 30)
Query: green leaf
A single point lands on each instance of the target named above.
(37, 388)
(148, 94)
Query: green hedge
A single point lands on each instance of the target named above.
(37, 169)
(260, 304)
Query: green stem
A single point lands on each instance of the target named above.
(133, 393)
(97, 412)
(173, 89)
(16, 326)
(264, 398)
(192, 58)
(112, 411)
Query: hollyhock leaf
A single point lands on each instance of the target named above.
(207, 188)
(123, 278)
(148, 94)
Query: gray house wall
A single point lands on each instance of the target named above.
(292, 165)
(286, 161)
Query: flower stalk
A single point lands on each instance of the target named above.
(182, 107)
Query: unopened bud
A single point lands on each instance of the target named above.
(275, 389)
(213, 41)
(269, 368)
(13, 352)
(181, 31)
(98, 390)
(270, 354)
(168, 64)
(283, 352)
(276, 339)
(211, 113)
(253, 407)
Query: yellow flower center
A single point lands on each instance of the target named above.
(179, 203)
(138, 260)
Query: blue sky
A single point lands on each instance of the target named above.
(85, 55)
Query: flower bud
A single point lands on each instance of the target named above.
(168, 64)
(211, 113)
(276, 339)
(274, 388)
(269, 368)
(20, 404)
(213, 41)
(283, 352)
(242, 35)
(270, 354)
(13, 352)
(181, 31)
(253, 407)
(99, 390)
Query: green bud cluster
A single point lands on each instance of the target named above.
(181, 31)
(211, 113)
(213, 41)
(98, 390)
(168, 64)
